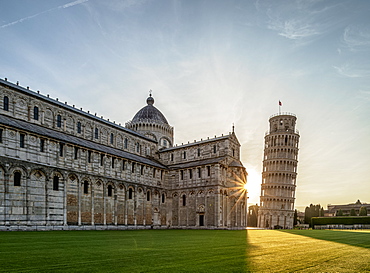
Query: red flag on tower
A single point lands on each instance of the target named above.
(280, 104)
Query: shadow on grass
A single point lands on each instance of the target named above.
(353, 238)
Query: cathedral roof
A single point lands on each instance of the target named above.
(197, 163)
(149, 113)
(37, 129)
(68, 107)
(235, 163)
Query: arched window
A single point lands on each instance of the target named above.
(61, 149)
(59, 121)
(89, 156)
(199, 172)
(42, 145)
(214, 149)
(56, 183)
(96, 133)
(137, 147)
(148, 196)
(198, 151)
(110, 190)
(126, 143)
(133, 167)
(79, 127)
(17, 178)
(184, 154)
(101, 159)
(129, 193)
(86, 187)
(76, 153)
(21, 140)
(184, 200)
(111, 138)
(163, 197)
(35, 113)
(6, 103)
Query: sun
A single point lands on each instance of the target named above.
(245, 186)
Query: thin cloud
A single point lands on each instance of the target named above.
(293, 29)
(299, 21)
(68, 5)
(356, 38)
(120, 5)
(350, 72)
(364, 95)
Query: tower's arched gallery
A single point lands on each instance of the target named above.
(63, 168)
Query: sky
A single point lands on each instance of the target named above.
(211, 64)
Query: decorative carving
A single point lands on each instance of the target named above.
(37, 174)
(201, 208)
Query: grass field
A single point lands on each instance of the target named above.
(185, 251)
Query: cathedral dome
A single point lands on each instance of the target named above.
(150, 113)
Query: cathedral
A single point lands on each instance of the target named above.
(62, 168)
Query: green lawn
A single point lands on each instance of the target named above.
(185, 251)
(309, 251)
(123, 251)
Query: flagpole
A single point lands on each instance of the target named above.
(279, 107)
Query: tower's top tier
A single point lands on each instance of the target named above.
(283, 122)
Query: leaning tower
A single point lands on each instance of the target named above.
(279, 173)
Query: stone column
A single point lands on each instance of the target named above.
(135, 204)
(104, 204)
(126, 205)
(115, 207)
(92, 205)
(47, 217)
(6, 188)
(79, 185)
(27, 204)
(65, 199)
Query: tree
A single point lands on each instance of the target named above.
(295, 219)
(312, 211)
(353, 212)
(321, 212)
(339, 213)
(363, 211)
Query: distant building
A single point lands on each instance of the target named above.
(300, 217)
(346, 209)
(279, 173)
(63, 168)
